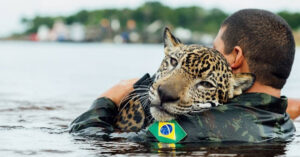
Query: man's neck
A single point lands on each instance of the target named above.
(260, 88)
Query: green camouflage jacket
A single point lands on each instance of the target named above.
(250, 117)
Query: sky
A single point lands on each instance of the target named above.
(11, 11)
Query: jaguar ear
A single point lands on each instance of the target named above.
(169, 39)
(242, 82)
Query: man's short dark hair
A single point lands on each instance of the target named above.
(267, 42)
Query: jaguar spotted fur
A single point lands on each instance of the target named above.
(191, 78)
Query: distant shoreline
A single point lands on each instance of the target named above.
(26, 38)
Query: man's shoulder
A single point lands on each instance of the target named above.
(250, 109)
(247, 118)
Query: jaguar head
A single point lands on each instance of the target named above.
(192, 78)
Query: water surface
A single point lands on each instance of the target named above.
(44, 86)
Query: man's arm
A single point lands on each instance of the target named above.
(293, 108)
(101, 115)
(104, 110)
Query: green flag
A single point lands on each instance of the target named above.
(167, 132)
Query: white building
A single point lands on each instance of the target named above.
(43, 33)
(77, 32)
(59, 32)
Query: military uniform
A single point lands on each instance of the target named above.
(250, 117)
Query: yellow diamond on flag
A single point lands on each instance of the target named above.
(166, 130)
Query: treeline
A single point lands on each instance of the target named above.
(292, 18)
(193, 18)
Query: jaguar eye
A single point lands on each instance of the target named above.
(173, 62)
(205, 84)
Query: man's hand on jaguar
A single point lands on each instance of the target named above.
(120, 90)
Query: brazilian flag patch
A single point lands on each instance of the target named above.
(167, 132)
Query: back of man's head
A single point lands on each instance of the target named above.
(267, 43)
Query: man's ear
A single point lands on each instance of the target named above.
(239, 57)
(169, 39)
(242, 82)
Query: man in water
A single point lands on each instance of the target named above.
(251, 40)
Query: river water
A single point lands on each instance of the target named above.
(44, 86)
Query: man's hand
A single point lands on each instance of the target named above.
(120, 90)
(293, 108)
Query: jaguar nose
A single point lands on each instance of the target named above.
(166, 94)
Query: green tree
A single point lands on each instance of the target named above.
(293, 19)
(36, 22)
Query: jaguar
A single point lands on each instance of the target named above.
(190, 79)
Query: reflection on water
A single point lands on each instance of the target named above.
(45, 86)
(193, 149)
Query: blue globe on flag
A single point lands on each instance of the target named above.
(166, 129)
